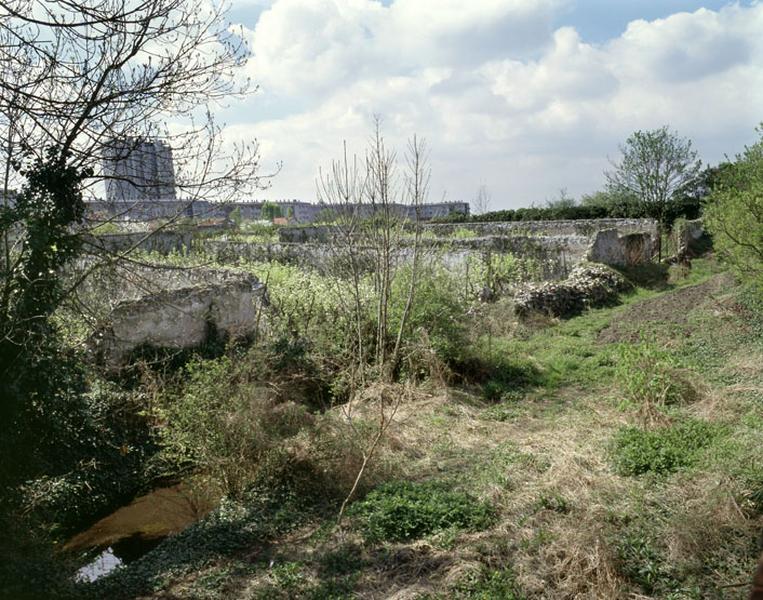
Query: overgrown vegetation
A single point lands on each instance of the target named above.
(660, 451)
(401, 511)
(734, 213)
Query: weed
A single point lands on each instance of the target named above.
(404, 510)
(651, 379)
(553, 501)
(487, 585)
(641, 562)
(288, 576)
(661, 451)
(344, 560)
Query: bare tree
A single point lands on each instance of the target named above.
(375, 211)
(482, 200)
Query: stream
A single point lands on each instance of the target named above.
(133, 530)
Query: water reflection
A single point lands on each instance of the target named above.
(135, 529)
(103, 564)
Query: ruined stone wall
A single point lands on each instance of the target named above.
(164, 307)
(163, 242)
(554, 256)
(611, 248)
(570, 227)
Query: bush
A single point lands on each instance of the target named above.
(437, 311)
(226, 427)
(404, 510)
(734, 213)
(662, 451)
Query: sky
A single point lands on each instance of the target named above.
(526, 97)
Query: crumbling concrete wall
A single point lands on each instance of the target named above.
(176, 309)
(611, 248)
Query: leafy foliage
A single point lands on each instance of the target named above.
(636, 451)
(734, 213)
(38, 380)
(404, 511)
(656, 166)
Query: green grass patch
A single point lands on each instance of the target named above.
(487, 585)
(636, 451)
(404, 510)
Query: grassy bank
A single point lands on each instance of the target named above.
(613, 454)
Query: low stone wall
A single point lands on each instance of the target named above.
(554, 256)
(172, 308)
(163, 242)
(578, 227)
(303, 235)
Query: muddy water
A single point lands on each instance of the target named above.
(133, 530)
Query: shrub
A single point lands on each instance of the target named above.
(226, 427)
(404, 510)
(437, 310)
(734, 213)
(636, 451)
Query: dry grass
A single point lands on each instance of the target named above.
(563, 515)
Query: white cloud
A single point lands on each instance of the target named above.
(501, 97)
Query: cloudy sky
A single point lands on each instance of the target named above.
(524, 96)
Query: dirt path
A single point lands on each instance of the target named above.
(671, 308)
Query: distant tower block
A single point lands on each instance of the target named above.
(139, 170)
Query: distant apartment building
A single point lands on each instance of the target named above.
(138, 170)
(299, 211)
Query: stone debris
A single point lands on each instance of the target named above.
(588, 286)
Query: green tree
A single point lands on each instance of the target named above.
(656, 166)
(734, 212)
(614, 203)
(270, 211)
(41, 221)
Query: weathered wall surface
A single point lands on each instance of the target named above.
(691, 239)
(611, 248)
(554, 256)
(163, 242)
(565, 243)
(174, 308)
(579, 227)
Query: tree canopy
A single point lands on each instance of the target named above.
(656, 166)
(734, 212)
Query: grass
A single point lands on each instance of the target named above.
(402, 510)
(543, 478)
